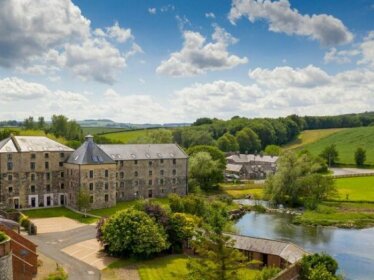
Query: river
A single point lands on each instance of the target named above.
(352, 248)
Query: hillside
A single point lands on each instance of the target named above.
(346, 141)
(127, 136)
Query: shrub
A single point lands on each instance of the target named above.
(267, 273)
(59, 274)
(311, 266)
(24, 222)
(3, 236)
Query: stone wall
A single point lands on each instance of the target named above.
(6, 267)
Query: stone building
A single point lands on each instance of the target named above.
(39, 172)
(32, 172)
(250, 166)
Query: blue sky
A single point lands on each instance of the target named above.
(175, 61)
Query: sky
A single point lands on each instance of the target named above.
(174, 61)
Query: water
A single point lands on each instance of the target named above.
(352, 248)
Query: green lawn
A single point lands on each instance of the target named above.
(347, 141)
(128, 136)
(242, 190)
(162, 268)
(356, 188)
(310, 136)
(121, 206)
(58, 212)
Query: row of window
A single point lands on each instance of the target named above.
(33, 165)
(33, 176)
(33, 188)
(150, 173)
(150, 182)
(150, 163)
(33, 156)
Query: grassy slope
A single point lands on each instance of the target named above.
(128, 136)
(58, 212)
(310, 136)
(98, 130)
(346, 142)
(357, 188)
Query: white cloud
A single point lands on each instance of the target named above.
(340, 57)
(41, 37)
(210, 15)
(197, 56)
(152, 11)
(367, 50)
(111, 93)
(283, 19)
(15, 89)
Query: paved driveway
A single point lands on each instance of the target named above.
(56, 239)
(350, 171)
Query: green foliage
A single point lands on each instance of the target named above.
(215, 153)
(133, 232)
(228, 143)
(205, 171)
(29, 123)
(248, 141)
(202, 121)
(330, 154)
(272, 150)
(59, 274)
(217, 259)
(3, 236)
(267, 273)
(61, 126)
(181, 228)
(360, 156)
(296, 181)
(318, 267)
(192, 136)
(157, 136)
(83, 200)
(5, 133)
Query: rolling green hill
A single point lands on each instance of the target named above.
(346, 141)
(128, 136)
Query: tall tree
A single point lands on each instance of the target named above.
(248, 141)
(330, 154)
(360, 156)
(29, 123)
(41, 123)
(228, 143)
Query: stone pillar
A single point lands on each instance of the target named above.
(6, 271)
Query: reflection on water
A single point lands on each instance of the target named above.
(354, 249)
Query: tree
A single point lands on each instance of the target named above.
(318, 267)
(360, 156)
(41, 123)
(155, 136)
(228, 143)
(205, 171)
(272, 150)
(83, 201)
(181, 229)
(330, 154)
(29, 123)
(133, 232)
(202, 121)
(248, 141)
(214, 152)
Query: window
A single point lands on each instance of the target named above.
(122, 175)
(150, 182)
(136, 173)
(32, 188)
(91, 174)
(161, 181)
(135, 162)
(122, 184)
(136, 182)
(106, 173)
(10, 166)
(162, 161)
(174, 172)
(48, 188)
(106, 198)
(122, 194)
(121, 163)
(62, 174)
(33, 156)
(174, 181)
(61, 164)
(162, 172)
(106, 186)
(91, 199)
(91, 186)
(174, 161)
(149, 163)
(62, 155)
(162, 190)
(174, 190)
(46, 155)
(10, 156)
(62, 186)
(10, 189)
(46, 165)
(47, 176)
(32, 177)
(150, 172)
(32, 165)
(10, 177)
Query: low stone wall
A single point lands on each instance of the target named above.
(290, 273)
(6, 267)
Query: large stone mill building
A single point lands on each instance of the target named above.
(39, 172)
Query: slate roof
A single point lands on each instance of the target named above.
(143, 151)
(286, 250)
(243, 158)
(89, 153)
(233, 167)
(15, 144)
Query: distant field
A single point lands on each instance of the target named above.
(356, 188)
(310, 136)
(23, 132)
(128, 136)
(98, 130)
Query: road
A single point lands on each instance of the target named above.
(350, 171)
(50, 244)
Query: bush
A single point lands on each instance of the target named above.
(267, 273)
(24, 222)
(3, 236)
(133, 232)
(311, 266)
(59, 274)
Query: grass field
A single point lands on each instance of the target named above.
(99, 130)
(106, 212)
(58, 212)
(356, 188)
(243, 190)
(162, 268)
(310, 136)
(346, 141)
(128, 136)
